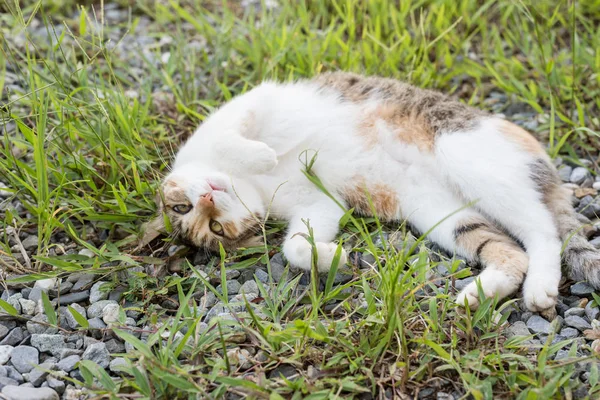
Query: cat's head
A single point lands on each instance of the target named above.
(206, 207)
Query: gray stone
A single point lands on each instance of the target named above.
(83, 282)
(231, 274)
(577, 311)
(249, 287)
(519, 328)
(56, 384)
(233, 287)
(6, 381)
(14, 374)
(48, 343)
(96, 327)
(14, 301)
(27, 393)
(262, 275)
(24, 358)
(63, 289)
(33, 327)
(35, 295)
(110, 313)
(95, 310)
(577, 323)
(284, 370)
(218, 309)
(38, 375)
(71, 321)
(569, 333)
(5, 353)
(582, 289)
(277, 267)
(460, 284)
(537, 324)
(117, 365)
(591, 312)
(114, 346)
(64, 353)
(14, 337)
(564, 171)
(69, 363)
(97, 353)
(96, 294)
(579, 175)
(3, 331)
(74, 297)
(27, 306)
(30, 242)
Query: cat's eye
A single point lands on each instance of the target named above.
(216, 227)
(182, 208)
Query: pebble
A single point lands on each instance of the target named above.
(96, 294)
(460, 284)
(537, 324)
(83, 282)
(71, 321)
(38, 375)
(569, 333)
(577, 323)
(50, 343)
(284, 370)
(277, 267)
(24, 358)
(110, 313)
(56, 384)
(5, 353)
(249, 287)
(97, 353)
(3, 331)
(6, 381)
(564, 171)
(27, 393)
(577, 311)
(582, 289)
(27, 306)
(262, 275)
(95, 310)
(15, 337)
(72, 298)
(69, 363)
(591, 312)
(579, 175)
(34, 327)
(118, 365)
(519, 328)
(233, 287)
(30, 242)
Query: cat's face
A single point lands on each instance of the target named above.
(206, 207)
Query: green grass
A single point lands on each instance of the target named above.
(88, 154)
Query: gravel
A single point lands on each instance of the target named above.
(25, 393)
(24, 358)
(577, 323)
(97, 353)
(538, 325)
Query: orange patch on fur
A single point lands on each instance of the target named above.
(384, 200)
(521, 137)
(409, 128)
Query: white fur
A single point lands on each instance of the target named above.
(259, 138)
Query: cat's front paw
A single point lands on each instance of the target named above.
(263, 160)
(540, 291)
(299, 253)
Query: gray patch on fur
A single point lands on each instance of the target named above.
(443, 113)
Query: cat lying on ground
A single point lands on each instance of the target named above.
(420, 155)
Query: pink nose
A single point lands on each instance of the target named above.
(206, 200)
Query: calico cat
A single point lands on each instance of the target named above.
(421, 155)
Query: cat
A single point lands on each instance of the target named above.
(422, 156)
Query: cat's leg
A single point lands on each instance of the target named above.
(470, 234)
(241, 156)
(494, 165)
(322, 215)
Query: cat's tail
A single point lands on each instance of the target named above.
(581, 258)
